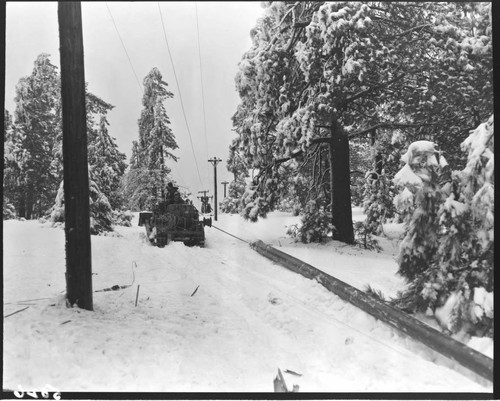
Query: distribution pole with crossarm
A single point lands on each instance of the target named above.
(215, 161)
(224, 183)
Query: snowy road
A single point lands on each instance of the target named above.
(247, 318)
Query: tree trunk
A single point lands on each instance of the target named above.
(340, 184)
(379, 162)
(22, 204)
(29, 202)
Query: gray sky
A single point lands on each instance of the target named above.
(224, 33)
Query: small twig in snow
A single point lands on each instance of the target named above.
(13, 313)
(137, 295)
(194, 292)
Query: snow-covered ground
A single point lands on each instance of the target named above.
(215, 319)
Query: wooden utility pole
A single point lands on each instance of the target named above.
(76, 180)
(215, 161)
(204, 201)
(224, 183)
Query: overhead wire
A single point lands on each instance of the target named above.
(124, 48)
(180, 94)
(202, 87)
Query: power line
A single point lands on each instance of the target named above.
(180, 95)
(202, 84)
(179, 174)
(225, 232)
(124, 48)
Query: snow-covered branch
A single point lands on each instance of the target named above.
(362, 93)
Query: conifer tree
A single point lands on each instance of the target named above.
(106, 167)
(231, 203)
(420, 181)
(11, 168)
(321, 73)
(33, 139)
(106, 162)
(33, 150)
(447, 254)
(148, 174)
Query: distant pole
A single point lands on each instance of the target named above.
(224, 183)
(215, 161)
(76, 179)
(203, 200)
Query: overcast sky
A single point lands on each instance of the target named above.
(224, 35)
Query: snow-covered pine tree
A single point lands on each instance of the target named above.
(231, 203)
(11, 168)
(315, 224)
(459, 281)
(101, 213)
(107, 163)
(149, 173)
(319, 72)
(421, 197)
(459, 83)
(361, 162)
(33, 139)
(378, 188)
(106, 166)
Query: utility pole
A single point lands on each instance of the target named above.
(204, 200)
(76, 176)
(215, 161)
(224, 183)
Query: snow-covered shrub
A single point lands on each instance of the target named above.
(316, 224)
(360, 159)
(122, 218)
(447, 253)
(57, 211)
(463, 268)
(9, 211)
(101, 215)
(378, 187)
(289, 205)
(257, 204)
(419, 178)
(375, 293)
(377, 204)
(231, 204)
(363, 237)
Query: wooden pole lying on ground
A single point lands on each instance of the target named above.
(76, 180)
(469, 358)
